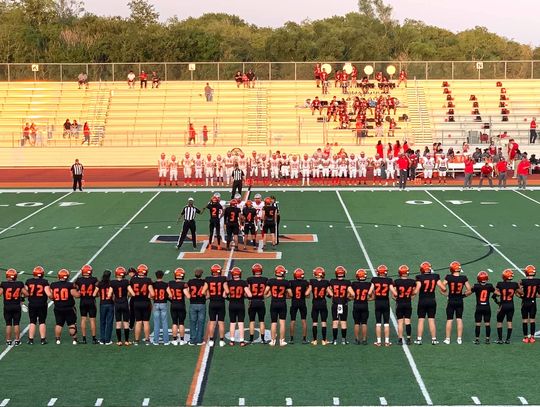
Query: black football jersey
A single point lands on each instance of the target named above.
(339, 290)
(361, 291)
(428, 284)
(36, 291)
(318, 290)
(456, 285)
(482, 292)
(177, 291)
(257, 286)
(507, 290)
(86, 286)
(12, 292)
(216, 287)
(61, 294)
(531, 288)
(381, 287)
(278, 289)
(120, 291)
(405, 289)
(237, 290)
(298, 288)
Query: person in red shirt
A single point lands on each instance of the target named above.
(143, 77)
(469, 171)
(317, 73)
(403, 165)
(502, 169)
(485, 173)
(380, 148)
(191, 134)
(405, 147)
(513, 147)
(205, 134)
(523, 170)
(402, 78)
(533, 131)
(315, 105)
(397, 148)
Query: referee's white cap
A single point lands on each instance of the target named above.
(190, 199)
(217, 195)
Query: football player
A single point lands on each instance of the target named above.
(458, 287)
(257, 308)
(63, 294)
(319, 308)
(305, 167)
(363, 164)
(187, 165)
(218, 290)
(269, 214)
(483, 290)
(403, 293)
(198, 164)
(381, 287)
(142, 292)
(426, 284)
(229, 161)
(86, 284)
(529, 289)
(173, 171)
(38, 292)
(238, 290)
(248, 219)
(506, 290)
(160, 317)
(391, 169)
(442, 168)
(162, 169)
(295, 167)
(279, 290)
(339, 291)
(119, 291)
(209, 167)
(13, 292)
(360, 294)
(178, 291)
(300, 291)
(428, 164)
(220, 169)
(216, 211)
(231, 215)
(377, 169)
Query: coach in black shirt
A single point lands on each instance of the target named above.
(188, 213)
(238, 177)
(77, 173)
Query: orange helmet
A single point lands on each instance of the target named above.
(256, 269)
(403, 270)
(11, 274)
(382, 270)
(340, 271)
(280, 271)
(63, 274)
(120, 271)
(142, 269)
(298, 274)
(507, 275)
(86, 270)
(215, 270)
(361, 274)
(249, 203)
(319, 272)
(482, 277)
(268, 200)
(530, 270)
(179, 273)
(38, 271)
(236, 272)
(455, 266)
(425, 267)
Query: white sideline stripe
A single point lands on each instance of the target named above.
(475, 400)
(383, 401)
(476, 233)
(241, 401)
(528, 197)
(52, 402)
(202, 370)
(523, 400)
(4, 403)
(336, 401)
(204, 246)
(98, 403)
(146, 402)
(35, 212)
(288, 401)
(25, 330)
(408, 354)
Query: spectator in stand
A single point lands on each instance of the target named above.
(317, 73)
(533, 135)
(379, 129)
(67, 129)
(486, 173)
(238, 78)
(205, 134)
(143, 78)
(33, 133)
(245, 80)
(26, 135)
(156, 80)
(361, 131)
(389, 150)
(405, 146)
(402, 78)
(502, 169)
(208, 92)
(316, 105)
(131, 79)
(252, 78)
(191, 134)
(469, 171)
(523, 170)
(414, 159)
(75, 129)
(86, 133)
(354, 77)
(379, 148)
(82, 80)
(325, 81)
(477, 155)
(397, 148)
(533, 160)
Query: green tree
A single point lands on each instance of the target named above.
(142, 12)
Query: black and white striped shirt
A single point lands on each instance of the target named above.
(77, 169)
(238, 174)
(189, 212)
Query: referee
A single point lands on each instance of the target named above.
(188, 213)
(77, 173)
(237, 176)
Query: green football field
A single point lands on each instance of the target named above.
(487, 230)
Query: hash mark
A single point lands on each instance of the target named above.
(169, 227)
(54, 227)
(490, 225)
(514, 225)
(476, 400)
(4, 403)
(422, 226)
(52, 402)
(444, 226)
(146, 402)
(336, 401)
(241, 401)
(308, 226)
(101, 227)
(288, 401)
(31, 227)
(523, 400)
(383, 401)
(98, 403)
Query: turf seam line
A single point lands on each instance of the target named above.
(405, 348)
(35, 212)
(494, 246)
(25, 330)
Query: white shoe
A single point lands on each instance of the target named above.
(74, 342)
(108, 343)
(272, 342)
(181, 343)
(210, 343)
(447, 341)
(58, 341)
(221, 344)
(175, 343)
(282, 342)
(166, 343)
(459, 341)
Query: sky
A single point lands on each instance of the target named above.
(514, 20)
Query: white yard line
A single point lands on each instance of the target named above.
(35, 212)
(488, 243)
(408, 353)
(528, 197)
(105, 245)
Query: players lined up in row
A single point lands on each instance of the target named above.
(326, 168)
(217, 287)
